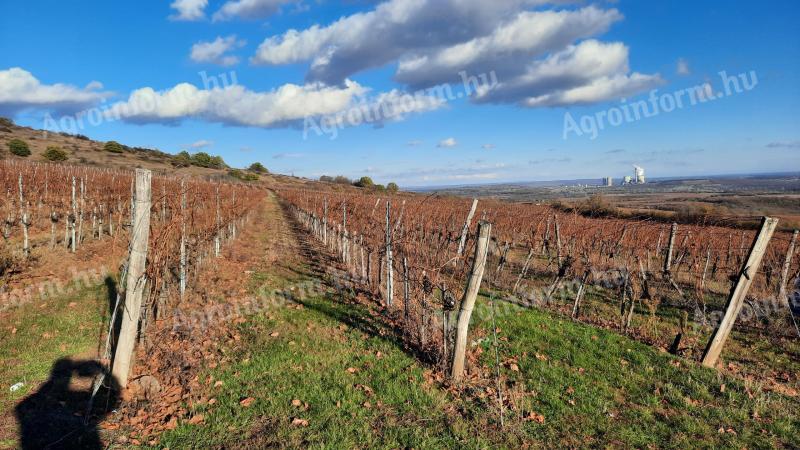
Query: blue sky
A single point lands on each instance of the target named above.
(297, 63)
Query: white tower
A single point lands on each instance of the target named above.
(638, 175)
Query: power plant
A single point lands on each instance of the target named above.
(637, 178)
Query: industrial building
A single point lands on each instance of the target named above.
(608, 181)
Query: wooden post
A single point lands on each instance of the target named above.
(73, 218)
(558, 240)
(183, 240)
(134, 285)
(406, 296)
(23, 214)
(668, 259)
(739, 292)
(468, 301)
(787, 263)
(464, 231)
(389, 271)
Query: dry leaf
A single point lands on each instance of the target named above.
(197, 419)
(247, 401)
(514, 367)
(297, 403)
(299, 422)
(274, 334)
(352, 370)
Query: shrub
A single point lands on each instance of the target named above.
(257, 167)
(392, 187)
(6, 122)
(326, 178)
(55, 154)
(364, 182)
(380, 187)
(340, 179)
(19, 147)
(242, 175)
(203, 159)
(113, 147)
(182, 159)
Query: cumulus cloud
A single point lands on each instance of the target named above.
(682, 67)
(249, 9)
(214, 52)
(589, 72)
(189, 10)
(288, 105)
(515, 40)
(447, 143)
(20, 90)
(236, 105)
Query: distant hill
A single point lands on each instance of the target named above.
(84, 151)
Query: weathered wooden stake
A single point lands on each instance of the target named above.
(468, 300)
(135, 282)
(183, 240)
(668, 259)
(389, 271)
(787, 263)
(465, 230)
(739, 292)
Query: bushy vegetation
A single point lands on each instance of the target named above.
(392, 187)
(364, 182)
(257, 167)
(113, 147)
(6, 122)
(203, 159)
(243, 175)
(55, 154)
(19, 147)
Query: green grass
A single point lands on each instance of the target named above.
(593, 388)
(46, 330)
(597, 388)
(309, 361)
(35, 335)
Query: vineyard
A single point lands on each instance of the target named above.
(665, 285)
(446, 277)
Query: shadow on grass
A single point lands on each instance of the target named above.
(56, 416)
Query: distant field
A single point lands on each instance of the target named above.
(740, 199)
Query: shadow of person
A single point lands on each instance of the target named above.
(56, 416)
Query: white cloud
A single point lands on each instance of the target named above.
(448, 143)
(503, 38)
(682, 67)
(508, 48)
(201, 144)
(288, 105)
(414, 143)
(188, 10)
(235, 104)
(214, 52)
(589, 72)
(488, 146)
(249, 9)
(287, 155)
(20, 90)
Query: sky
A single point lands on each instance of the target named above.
(420, 92)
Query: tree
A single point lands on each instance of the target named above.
(392, 187)
(326, 178)
(114, 147)
(257, 167)
(55, 154)
(218, 163)
(182, 159)
(341, 179)
(19, 147)
(379, 187)
(364, 182)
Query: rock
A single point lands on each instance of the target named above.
(146, 387)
